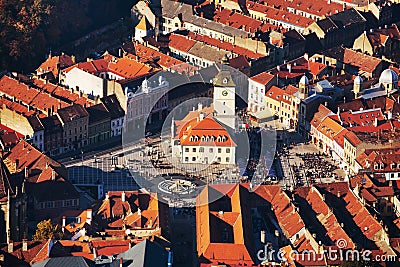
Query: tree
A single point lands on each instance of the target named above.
(46, 230)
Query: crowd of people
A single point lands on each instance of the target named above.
(315, 167)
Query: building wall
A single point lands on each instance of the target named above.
(256, 95)
(116, 126)
(208, 154)
(99, 131)
(362, 43)
(86, 82)
(15, 121)
(139, 107)
(75, 133)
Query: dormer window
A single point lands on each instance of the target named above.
(376, 166)
(382, 166)
(394, 165)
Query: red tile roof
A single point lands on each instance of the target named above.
(323, 111)
(352, 138)
(327, 218)
(139, 210)
(280, 15)
(225, 46)
(110, 247)
(317, 8)
(263, 78)
(316, 67)
(165, 61)
(15, 106)
(27, 156)
(55, 63)
(180, 42)
(277, 94)
(242, 22)
(37, 251)
(299, 67)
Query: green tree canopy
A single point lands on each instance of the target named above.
(46, 230)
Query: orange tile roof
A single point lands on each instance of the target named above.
(228, 253)
(323, 111)
(192, 132)
(329, 127)
(126, 67)
(316, 67)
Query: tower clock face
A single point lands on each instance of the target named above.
(225, 93)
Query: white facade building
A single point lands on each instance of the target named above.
(149, 101)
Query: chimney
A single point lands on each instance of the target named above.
(26, 172)
(24, 244)
(89, 216)
(121, 260)
(73, 59)
(338, 194)
(10, 246)
(199, 106)
(376, 122)
(201, 116)
(53, 175)
(289, 67)
(64, 219)
(106, 196)
(123, 196)
(306, 56)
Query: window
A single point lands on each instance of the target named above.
(228, 150)
(201, 149)
(193, 158)
(194, 149)
(186, 159)
(219, 150)
(227, 159)
(186, 149)
(211, 150)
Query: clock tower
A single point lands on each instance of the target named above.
(224, 99)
